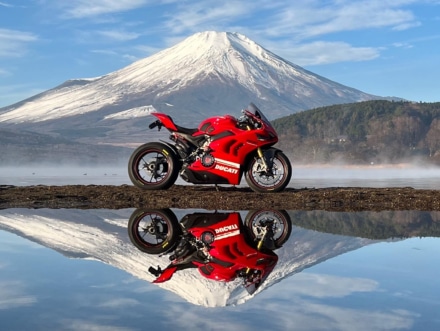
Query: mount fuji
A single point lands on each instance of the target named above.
(209, 73)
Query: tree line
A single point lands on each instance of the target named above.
(370, 132)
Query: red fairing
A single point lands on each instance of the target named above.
(231, 252)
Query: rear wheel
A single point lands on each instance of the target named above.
(153, 166)
(272, 179)
(153, 231)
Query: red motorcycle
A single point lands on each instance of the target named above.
(218, 151)
(219, 245)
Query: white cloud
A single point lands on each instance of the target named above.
(118, 35)
(206, 15)
(84, 325)
(12, 295)
(105, 36)
(86, 8)
(307, 19)
(295, 29)
(4, 4)
(4, 72)
(119, 303)
(322, 52)
(298, 19)
(328, 286)
(13, 43)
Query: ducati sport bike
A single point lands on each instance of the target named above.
(219, 151)
(219, 245)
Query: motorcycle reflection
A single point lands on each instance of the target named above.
(218, 244)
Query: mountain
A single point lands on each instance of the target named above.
(207, 74)
(101, 235)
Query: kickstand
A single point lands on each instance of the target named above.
(216, 187)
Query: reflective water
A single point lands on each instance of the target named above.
(78, 270)
(303, 176)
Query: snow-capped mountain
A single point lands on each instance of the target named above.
(209, 73)
(101, 235)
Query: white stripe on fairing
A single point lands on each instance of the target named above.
(227, 235)
(229, 163)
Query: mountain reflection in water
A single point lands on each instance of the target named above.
(309, 271)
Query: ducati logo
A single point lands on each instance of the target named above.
(226, 169)
(226, 228)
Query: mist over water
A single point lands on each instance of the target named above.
(304, 176)
(64, 175)
(404, 175)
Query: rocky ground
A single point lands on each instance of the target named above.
(225, 198)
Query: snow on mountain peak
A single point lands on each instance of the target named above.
(206, 68)
(202, 54)
(132, 113)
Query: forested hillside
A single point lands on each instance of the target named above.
(366, 132)
(23, 148)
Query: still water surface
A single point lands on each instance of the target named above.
(78, 270)
(303, 176)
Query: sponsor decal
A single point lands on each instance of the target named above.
(226, 228)
(226, 169)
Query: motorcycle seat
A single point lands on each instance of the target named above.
(186, 130)
(183, 129)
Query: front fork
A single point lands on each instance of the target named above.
(260, 154)
(266, 160)
(263, 159)
(259, 246)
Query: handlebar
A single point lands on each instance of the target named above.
(250, 120)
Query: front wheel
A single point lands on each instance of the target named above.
(274, 178)
(277, 222)
(153, 166)
(153, 231)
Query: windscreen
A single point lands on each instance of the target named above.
(258, 113)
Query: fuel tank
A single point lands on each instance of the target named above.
(217, 124)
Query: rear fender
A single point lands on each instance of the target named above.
(166, 274)
(166, 120)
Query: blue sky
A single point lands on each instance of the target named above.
(383, 47)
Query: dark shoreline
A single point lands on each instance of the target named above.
(225, 198)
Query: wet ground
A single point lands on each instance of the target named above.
(224, 198)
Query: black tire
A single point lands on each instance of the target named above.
(153, 166)
(154, 231)
(281, 224)
(274, 180)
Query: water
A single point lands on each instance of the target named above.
(303, 176)
(67, 269)
(78, 270)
